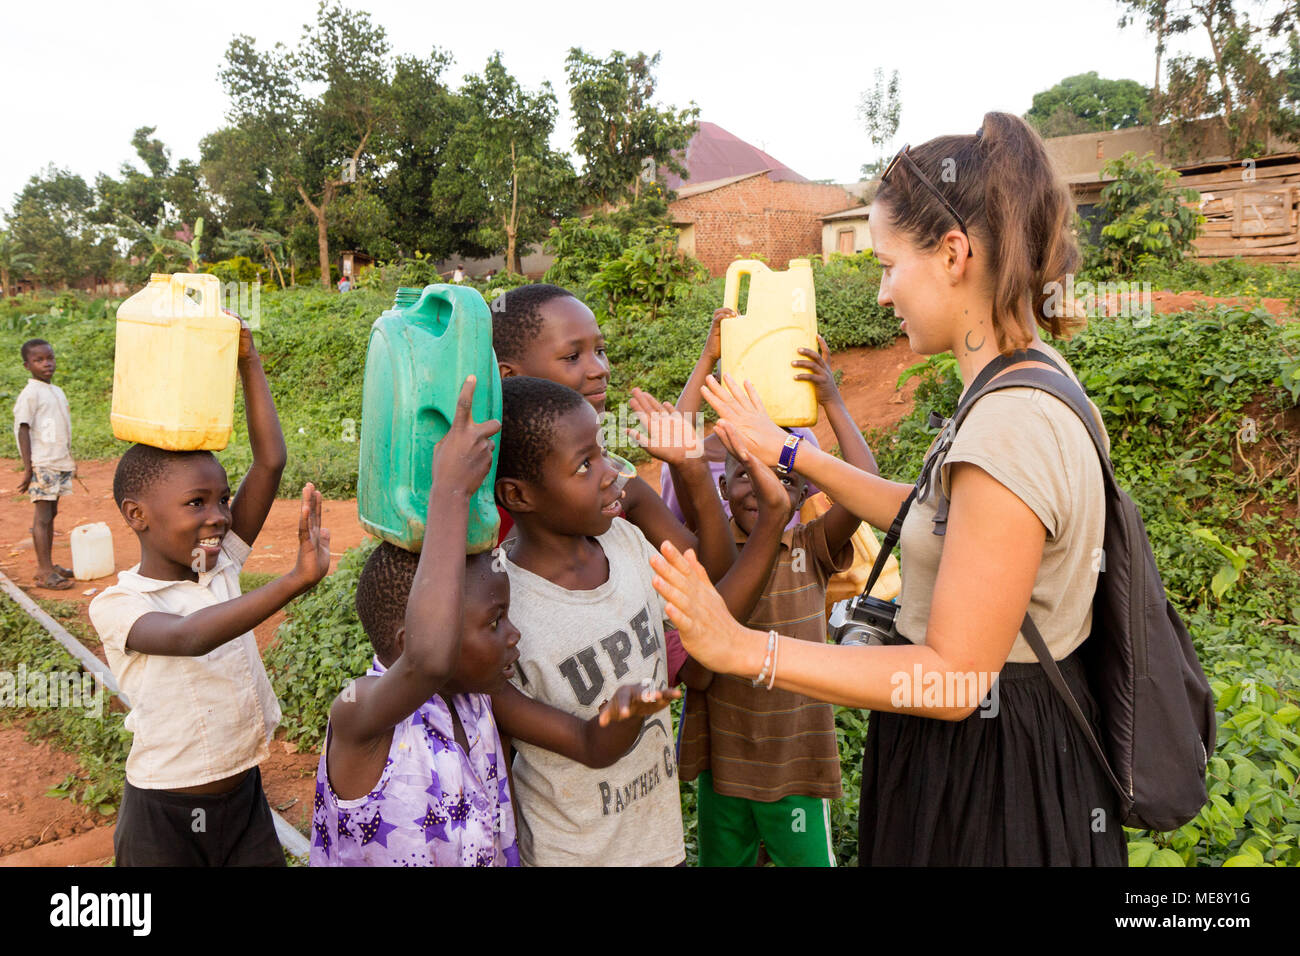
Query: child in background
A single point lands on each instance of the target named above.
(43, 430)
(544, 331)
(767, 760)
(589, 615)
(178, 635)
(414, 771)
(688, 403)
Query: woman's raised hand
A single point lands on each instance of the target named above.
(742, 410)
(708, 631)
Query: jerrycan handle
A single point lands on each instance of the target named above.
(731, 291)
(208, 287)
(437, 305)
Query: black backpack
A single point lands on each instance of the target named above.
(1157, 710)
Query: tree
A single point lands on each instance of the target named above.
(880, 108)
(502, 171)
(1086, 103)
(1242, 83)
(623, 138)
(52, 219)
(13, 261)
(267, 242)
(164, 200)
(426, 114)
(1148, 218)
(315, 142)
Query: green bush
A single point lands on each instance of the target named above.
(318, 649)
(239, 269)
(1145, 220)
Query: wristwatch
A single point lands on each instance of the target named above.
(786, 463)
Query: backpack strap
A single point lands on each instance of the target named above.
(1035, 640)
(1072, 395)
(977, 388)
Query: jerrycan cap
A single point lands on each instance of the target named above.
(406, 297)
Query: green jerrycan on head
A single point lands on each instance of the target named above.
(780, 318)
(175, 364)
(418, 357)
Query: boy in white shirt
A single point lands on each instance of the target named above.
(43, 430)
(179, 637)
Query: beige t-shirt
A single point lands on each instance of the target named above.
(43, 407)
(193, 719)
(1036, 446)
(576, 648)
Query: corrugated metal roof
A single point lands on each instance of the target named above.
(714, 154)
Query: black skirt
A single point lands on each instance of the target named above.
(1021, 788)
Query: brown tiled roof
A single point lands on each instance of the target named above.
(714, 154)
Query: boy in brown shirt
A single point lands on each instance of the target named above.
(767, 760)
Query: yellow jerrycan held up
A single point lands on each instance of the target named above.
(175, 365)
(780, 318)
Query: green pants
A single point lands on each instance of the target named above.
(796, 830)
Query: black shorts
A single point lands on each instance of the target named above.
(164, 828)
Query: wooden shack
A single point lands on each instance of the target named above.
(1250, 208)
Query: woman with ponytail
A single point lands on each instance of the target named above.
(974, 234)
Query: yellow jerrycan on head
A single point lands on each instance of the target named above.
(780, 318)
(175, 365)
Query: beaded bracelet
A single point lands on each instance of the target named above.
(767, 661)
(776, 656)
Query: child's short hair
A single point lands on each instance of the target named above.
(517, 318)
(141, 467)
(384, 588)
(530, 407)
(382, 592)
(31, 344)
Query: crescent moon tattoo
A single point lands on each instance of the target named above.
(974, 348)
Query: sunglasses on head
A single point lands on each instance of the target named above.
(901, 156)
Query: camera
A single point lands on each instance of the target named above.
(863, 620)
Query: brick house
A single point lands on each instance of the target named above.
(753, 214)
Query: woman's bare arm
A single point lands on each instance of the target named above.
(992, 551)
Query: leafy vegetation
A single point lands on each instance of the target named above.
(100, 743)
(1147, 220)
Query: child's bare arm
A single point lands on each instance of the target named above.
(840, 523)
(434, 611)
(193, 635)
(598, 742)
(25, 449)
(256, 492)
(742, 586)
(690, 401)
(671, 437)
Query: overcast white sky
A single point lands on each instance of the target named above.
(79, 77)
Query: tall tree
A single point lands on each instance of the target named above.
(622, 137)
(1086, 103)
(502, 171)
(313, 111)
(53, 220)
(880, 109)
(426, 113)
(163, 200)
(1243, 83)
